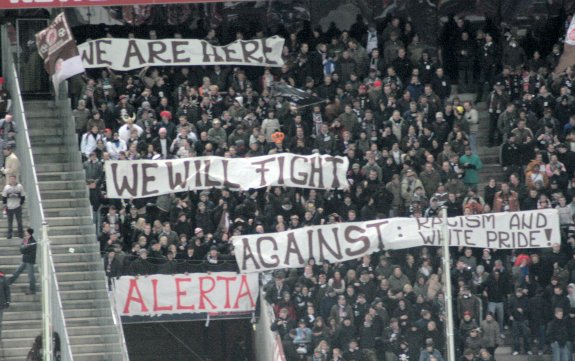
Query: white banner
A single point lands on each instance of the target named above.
(128, 54)
(157, 295)
(345, 241)
(149, 178)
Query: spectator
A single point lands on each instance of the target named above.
(490, 333)
(11, 164)
(392, 114)
(519, 315)
(471, 164)
(559, 336)
(28, 250)
(13, 197)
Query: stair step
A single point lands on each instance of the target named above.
(46, 132)
(87, 339)
(14, 343)
(61, 185)
(17, 353)
(67, 212)
(83, 248)
(82, 304)
(63, 194)
(9, 254)
(52, 158)
(22, 297)
(92, 348)
(90, 330)
(49, 149)
(75, 257)
(78, 285)
(73, 239)
(69, 203)
(70, 221)
(56, 176)
(20, 333)
(78, 276)
(39, 140)
(84, 321)
(31, 315)
(78, 229)
(82, 295)
(71, 314)
(58, 167)
(72, 266)
(24, 306)
(108, 356)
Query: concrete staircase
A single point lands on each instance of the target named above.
(489, 156)
(23, 320)
(79, 268)
(492, 169)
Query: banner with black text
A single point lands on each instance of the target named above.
(150, 178)
(345, 241)
(157, 295)
(129, 54)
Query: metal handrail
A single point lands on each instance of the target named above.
(64, 336)
(64, 108)
(52, 307)
(118, 324)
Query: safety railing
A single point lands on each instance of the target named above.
(52, 311)
(63, 104)
(269, 343)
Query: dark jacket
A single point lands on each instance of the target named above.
(4, 292)
(28, 250)
(519, 308)
(497, 290)
(559, 331)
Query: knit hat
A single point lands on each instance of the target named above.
(166, 114)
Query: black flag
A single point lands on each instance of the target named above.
(298, 96)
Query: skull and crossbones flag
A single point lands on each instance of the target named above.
(56, 45)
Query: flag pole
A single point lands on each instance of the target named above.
(448, 294)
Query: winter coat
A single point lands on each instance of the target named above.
(559, 331)
(472, 171)
(490, 333)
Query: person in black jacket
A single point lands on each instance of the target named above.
(538, 320)
(496, 290)
(519, 316)
(28, 250)
(465, 55)
(4, 298)
(559, 335)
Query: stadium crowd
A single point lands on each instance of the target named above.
(412, 147)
